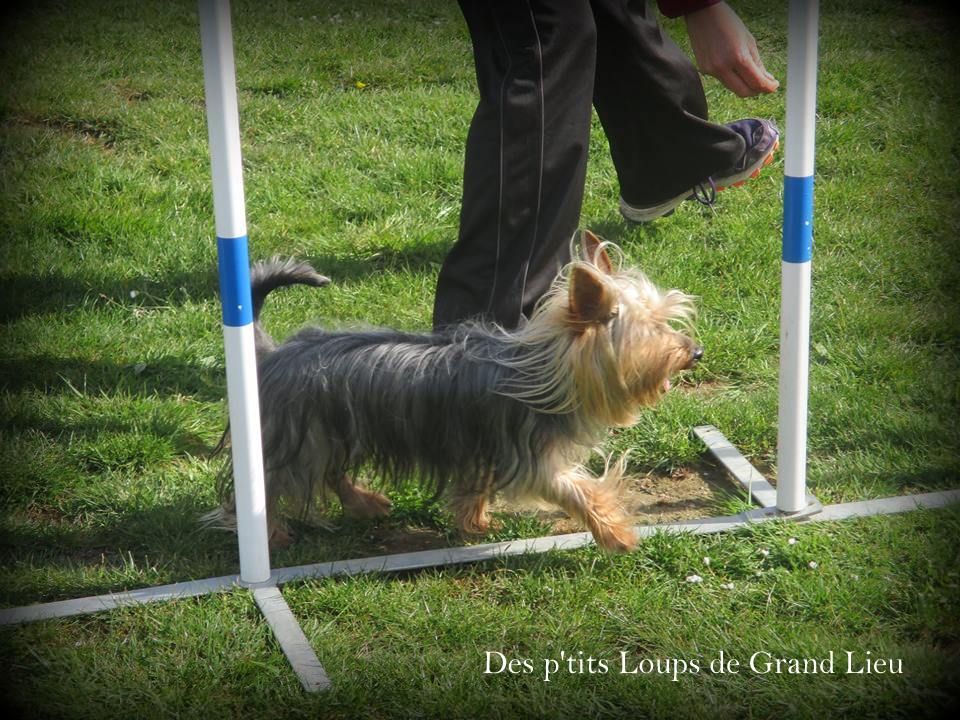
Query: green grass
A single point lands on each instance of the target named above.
(353, 117)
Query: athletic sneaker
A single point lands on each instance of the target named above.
(762, 140)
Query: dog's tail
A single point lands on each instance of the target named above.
(268, 276)
(265, 277)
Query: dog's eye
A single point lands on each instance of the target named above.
(614, 313)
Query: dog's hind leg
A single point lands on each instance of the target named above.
(469, 503)
(280, 535)
(471, 514)
(358, 502)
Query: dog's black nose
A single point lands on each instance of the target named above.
(697, 354)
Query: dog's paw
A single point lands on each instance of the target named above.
(615, 538)
(366, 504)
(280, 537)
(473, 518)
(475, 526)
(377, 505)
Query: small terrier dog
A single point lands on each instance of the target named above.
(472, 410)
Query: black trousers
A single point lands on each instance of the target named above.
(541, 66)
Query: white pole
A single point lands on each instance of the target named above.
(223, 125)
(797, 253)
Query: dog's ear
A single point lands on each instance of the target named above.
(594, 252)
(591, 300)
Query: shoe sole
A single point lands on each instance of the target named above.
(644, 215)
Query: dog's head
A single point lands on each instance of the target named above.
(631, 338)
(603, 342)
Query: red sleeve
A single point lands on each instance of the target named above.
(676, 8)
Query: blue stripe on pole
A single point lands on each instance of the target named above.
(797, 219)
(234, 264)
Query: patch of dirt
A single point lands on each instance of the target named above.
(685, 494)
(655, 498)
(91, 131)
(393, 540)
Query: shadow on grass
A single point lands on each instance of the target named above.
(416, 258)
(45, 560)
(163, 376)
(615, 229)
(30, 295)
(25, 295)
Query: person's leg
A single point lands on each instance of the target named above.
(526, 157)
(650, 101)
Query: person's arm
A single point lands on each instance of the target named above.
(722, 45)
(726, 49)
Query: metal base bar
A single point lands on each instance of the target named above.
(292, 641)
(749, 477)
(461, 555)
(99, 603)
(737, 465)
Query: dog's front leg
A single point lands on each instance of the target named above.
(596, 505)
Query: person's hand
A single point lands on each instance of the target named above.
(725, 49)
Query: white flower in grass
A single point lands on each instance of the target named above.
(694, 578)
(813, 565)
(727, 586)
(764, 552)
(792, 541)
(706, 561)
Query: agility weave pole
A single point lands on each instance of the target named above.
(223, 125)
(790, 496)
(802, 35)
